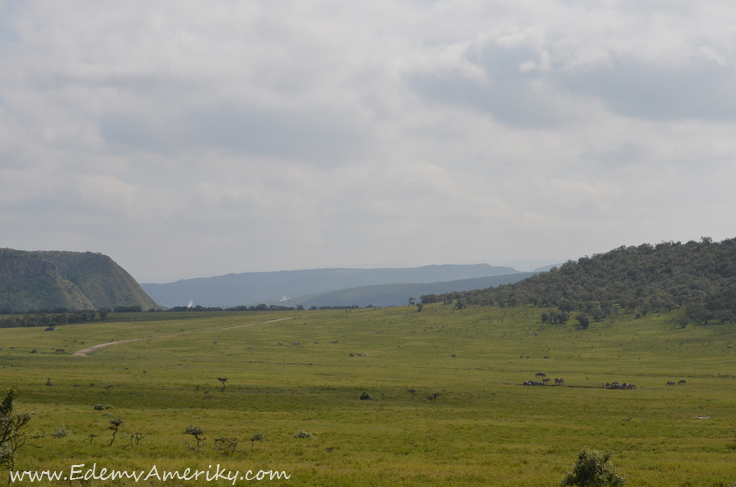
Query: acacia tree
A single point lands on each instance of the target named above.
(12, 438)
(223, 380)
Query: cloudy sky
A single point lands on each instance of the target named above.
(189, 139)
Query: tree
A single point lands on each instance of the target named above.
(593, 469)
(412, 392)
(223, 380)
(115, 425)
(412, 301)
(197, 433)
(256, 437)
(584, 321)
(12, 438)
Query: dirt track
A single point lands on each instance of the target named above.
(85, 352)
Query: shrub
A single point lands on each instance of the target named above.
(593, 469)
(302, 434)
(364, 396)
(99, 407)
(60, 432)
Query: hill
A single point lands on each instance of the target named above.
(79, 280)
(263, 287)
(699, 276)
(397, 294)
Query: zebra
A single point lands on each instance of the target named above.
(682, 382)
(541, 374)
(560, 381)
(545, 380)
(670, 383)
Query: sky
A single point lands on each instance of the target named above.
(190, 139)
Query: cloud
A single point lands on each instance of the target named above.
(188, 140)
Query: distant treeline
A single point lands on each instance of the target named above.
(260, 307)
(49, 320)
(64, 316)
(699, 276)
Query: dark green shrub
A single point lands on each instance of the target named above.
(593, 469)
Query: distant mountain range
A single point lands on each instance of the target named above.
(268, 287)
(79, 280)
(398, 294)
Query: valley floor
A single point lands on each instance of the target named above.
(481, 427)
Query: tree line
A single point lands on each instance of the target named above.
(697, 276)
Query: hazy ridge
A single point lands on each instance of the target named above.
(263, 287)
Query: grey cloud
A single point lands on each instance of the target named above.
(510, 95)
(319, 135)
(700, 90)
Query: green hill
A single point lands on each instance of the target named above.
(79, 280)
(697, 276)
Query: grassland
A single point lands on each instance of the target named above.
(485, 428)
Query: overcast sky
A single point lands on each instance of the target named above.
(189, 139)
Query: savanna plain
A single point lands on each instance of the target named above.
(470, 420)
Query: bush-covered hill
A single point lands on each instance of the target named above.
(700, 276)
(73, 280)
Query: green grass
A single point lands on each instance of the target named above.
(485, 428)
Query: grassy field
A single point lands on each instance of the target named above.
(484, 429)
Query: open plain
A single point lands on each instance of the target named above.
(470, 420)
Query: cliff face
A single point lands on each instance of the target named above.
(81, 280)
(15, 270)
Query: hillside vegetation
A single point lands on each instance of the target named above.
(72, 280)
(699, 276)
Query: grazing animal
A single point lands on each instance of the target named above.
(670, 383)
(453, 355)
(334, 341)
(521, 356)
(541, 374)
(352, 355)
(316, 343)
(546, 356)
(281, 343)
(545, 380)
(682, 382)
(560, 381)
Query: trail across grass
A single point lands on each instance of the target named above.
(484, 427)
(86, 351)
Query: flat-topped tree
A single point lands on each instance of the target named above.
(223, 380)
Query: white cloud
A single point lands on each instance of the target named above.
(188, 139)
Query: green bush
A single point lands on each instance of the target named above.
(593, 469)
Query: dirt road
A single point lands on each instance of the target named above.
(85, 352)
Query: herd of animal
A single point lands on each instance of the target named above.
(607, 385)
(558, 381)
(618, 385)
